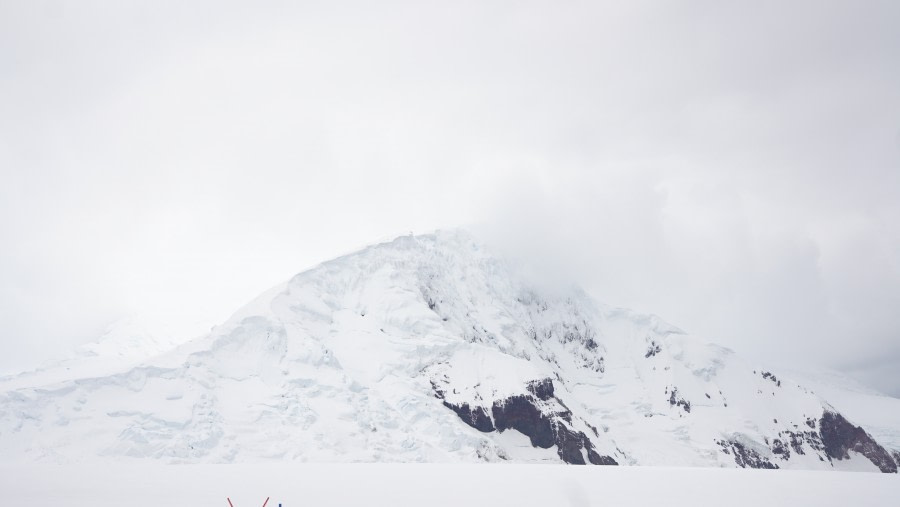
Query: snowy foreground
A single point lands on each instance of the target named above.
(307, 485)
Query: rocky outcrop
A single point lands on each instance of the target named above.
(652, 349)
(771, 377)
(839, 437)
(834, 440)
(796, 439)
(475, 417)
(528, 414)
(571, 444)
(744, 456)
(542, 389)
(677, 401)
(521, 414)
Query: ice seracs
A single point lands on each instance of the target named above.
(432, 348)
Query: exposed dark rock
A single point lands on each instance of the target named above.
(543, 389)
(520, 414)
(570, 445)
(523, 414)
(780, 449)
(597, 459)
(796, 439)
(476, 417)
(896, 455)
(438, 392)
(653, 349)
(796, 443)
(768, 376)
(676, 400)
(839, 437)
(744, 456)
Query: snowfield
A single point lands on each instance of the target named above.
(436, 485)
(434, 349)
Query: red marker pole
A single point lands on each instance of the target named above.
(229, 502)
(267, 501)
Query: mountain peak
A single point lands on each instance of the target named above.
(435, 348)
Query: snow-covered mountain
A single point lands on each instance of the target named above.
(124, 344)
(431, 348)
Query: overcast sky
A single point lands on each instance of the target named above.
(732, 167)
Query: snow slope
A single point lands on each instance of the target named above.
(878, 413)
(434, 485)
(433, 349)
(124, 344)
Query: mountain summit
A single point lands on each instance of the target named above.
(431, 348)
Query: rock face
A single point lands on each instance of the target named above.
(529, 415)
(521, 414)
(474, 417)
(840, 437)
(432, 348)
(744, 456)
(677, 401)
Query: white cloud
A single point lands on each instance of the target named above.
(735, 169)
